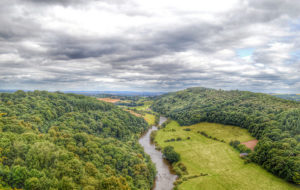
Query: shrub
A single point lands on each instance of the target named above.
(170, 154)
(234, 143)
(153, 135)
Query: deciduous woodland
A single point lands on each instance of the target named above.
(274, 121)
(67, 141)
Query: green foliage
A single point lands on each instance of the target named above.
(165, 123)
(180, 169)
(234, 143)
(240, 147)
(274, 121)
(208, 136)
(67, 141)
(170, 154)
(152, 136)
(32, 183)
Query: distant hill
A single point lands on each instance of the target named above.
(93, 93)
(122, 93)
(274, 121)
(8, 91)
(288, 96)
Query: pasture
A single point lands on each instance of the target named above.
(221, 162)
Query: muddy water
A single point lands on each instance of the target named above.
(164, 178)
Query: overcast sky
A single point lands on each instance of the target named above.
(150, 45)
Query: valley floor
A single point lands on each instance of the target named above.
(225, 169)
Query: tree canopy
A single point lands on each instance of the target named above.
(67, 141)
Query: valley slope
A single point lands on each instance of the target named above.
(67, 141)
(274, 121)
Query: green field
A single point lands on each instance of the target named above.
(225, 169)
(145, 110)
(145, 107)
(223, 132)
(149, 118)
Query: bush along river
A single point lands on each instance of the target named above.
(164, 178)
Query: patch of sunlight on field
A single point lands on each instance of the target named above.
(225, 169)
(150, 119)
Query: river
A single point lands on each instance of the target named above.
(164, 178)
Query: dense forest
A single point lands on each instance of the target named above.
(274, 121)
(67, 141)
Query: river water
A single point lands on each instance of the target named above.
(164, 178)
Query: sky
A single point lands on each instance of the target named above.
(150, 45)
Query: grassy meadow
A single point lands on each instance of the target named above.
(145, 111)
(225, 169)
(150, 119)
(223, 132)
(145, 107)
(142, 111)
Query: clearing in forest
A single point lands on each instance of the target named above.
(221, 162)
(150, 118)
(133, 113)
(250, 144)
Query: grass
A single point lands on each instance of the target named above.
(223, 132)
(145, 107)
(225, 169)
(145, 110)
(150, 119)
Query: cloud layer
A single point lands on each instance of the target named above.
(150, 45)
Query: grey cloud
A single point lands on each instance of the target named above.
(70, 2)
(57, 79)
(56, 2)
(289, 7)
(136, 58)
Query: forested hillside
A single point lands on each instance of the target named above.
(274, 121)
(66, 141)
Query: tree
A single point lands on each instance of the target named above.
(170, 154)
(32, 184)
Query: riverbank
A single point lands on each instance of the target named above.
(164, 178)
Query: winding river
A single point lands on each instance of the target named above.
(164, 178)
